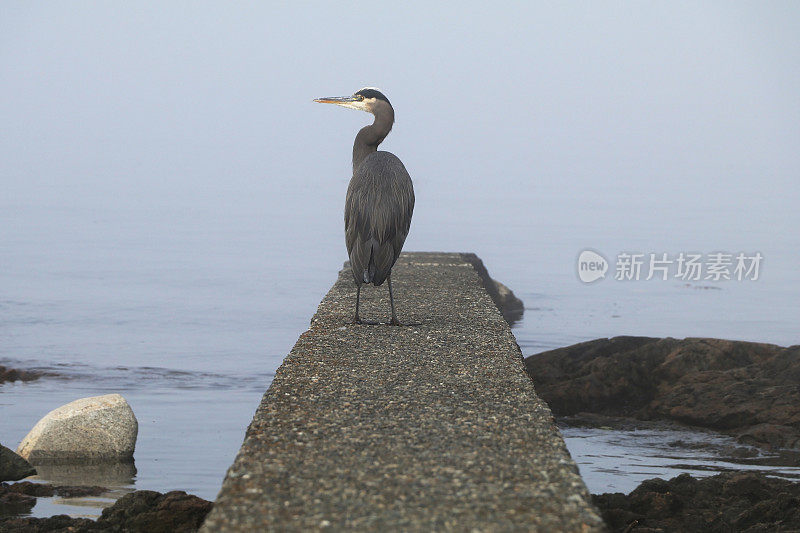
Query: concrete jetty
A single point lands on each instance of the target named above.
(431, 427)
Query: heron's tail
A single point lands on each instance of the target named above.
(369, 272)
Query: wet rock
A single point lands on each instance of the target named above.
(12, 374)
(12, 466)
(32, 489)
(741, 388)
(79, 491)
(91, 430)
(40, 490)
(771, 436)
(152, 512)
(740, 501)
(14, 503)
(59, 523)
(509, 305)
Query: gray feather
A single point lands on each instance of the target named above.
(377, 216)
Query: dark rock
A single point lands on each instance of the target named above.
(32, 489)
(45, 490)
(746, 389)
(79, 492)
(12, 466)
(143, 511)
(14, 503)
(59, 523)
(152, 512)
(19, 498)
(11, 374)
(509, 305)
(771, 436)
(740, 501)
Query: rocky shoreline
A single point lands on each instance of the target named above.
(19, 498)
(142, 511)
(732, 501)
(87, 435)
(747, 390)
(744, 389)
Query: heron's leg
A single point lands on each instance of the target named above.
(358, 297)
(358, 319)
(394, 321)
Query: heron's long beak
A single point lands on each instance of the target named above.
(338, 100)
(345, 101)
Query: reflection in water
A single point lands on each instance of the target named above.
(111, 475)
(114, 479)
(117, 478)
(78, 507)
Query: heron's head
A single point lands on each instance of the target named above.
(368, 99)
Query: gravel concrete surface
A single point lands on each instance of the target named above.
(429, 427)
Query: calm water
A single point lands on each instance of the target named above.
(188, 312)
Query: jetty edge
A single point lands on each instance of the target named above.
(432, 427)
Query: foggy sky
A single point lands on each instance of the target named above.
(545, 108)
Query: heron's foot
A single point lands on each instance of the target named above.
(366, 322)
(395, 322)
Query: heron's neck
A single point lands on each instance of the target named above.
(371, 136)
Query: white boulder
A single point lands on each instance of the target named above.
(89, 430)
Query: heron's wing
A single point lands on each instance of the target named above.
(377, 216)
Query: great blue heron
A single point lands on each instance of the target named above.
(380, 198)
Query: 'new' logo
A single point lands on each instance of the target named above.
(591, 266)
